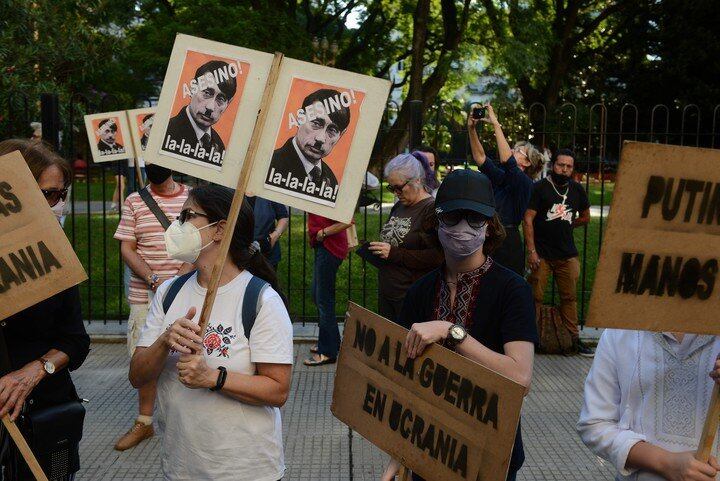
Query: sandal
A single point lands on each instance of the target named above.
(323, 360)
(314, 349)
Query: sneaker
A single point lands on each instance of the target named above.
(584, 350)
(137, 434)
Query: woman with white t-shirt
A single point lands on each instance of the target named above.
(217, 410)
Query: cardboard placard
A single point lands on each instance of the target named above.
(109, 136)
(141, 122)
(36, 258)
(321, 118)
(207, 109)
(659, 261)
(442, 415)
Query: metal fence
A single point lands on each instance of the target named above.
(595, 132)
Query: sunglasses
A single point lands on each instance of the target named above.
(396, 189)
(189, 214)
(54, 196)
(474, 219)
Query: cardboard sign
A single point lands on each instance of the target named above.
(36, 259)
(109, 136)
(442, 415)
(207, 109)
(141, 122)
(659, 262)
(319, 138)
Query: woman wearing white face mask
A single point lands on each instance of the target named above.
(475, 306)
(44, 342)
(218, 396)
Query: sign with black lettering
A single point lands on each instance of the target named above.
(441, 414)
(36, 259)
(660, 259)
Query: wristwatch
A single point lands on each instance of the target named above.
(47, 365)
(456, 335)
(152, 279)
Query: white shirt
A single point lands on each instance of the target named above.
(305, 162)
(198, 131)
(208, 435)
(646, 386)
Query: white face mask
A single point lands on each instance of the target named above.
(58, 209)
(183, 241)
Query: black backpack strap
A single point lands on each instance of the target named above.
(173, 290)
(251, 303)
(154, 207)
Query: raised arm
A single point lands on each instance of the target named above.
(504, 150)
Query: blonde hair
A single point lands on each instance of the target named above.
(537, 159)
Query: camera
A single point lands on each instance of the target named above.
(479, 112)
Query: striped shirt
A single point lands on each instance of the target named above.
(140, 225)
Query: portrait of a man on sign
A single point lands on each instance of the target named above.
(204, 109)
(313, 141)
(146, 123)
(108, 137)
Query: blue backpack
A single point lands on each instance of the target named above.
(251, 299)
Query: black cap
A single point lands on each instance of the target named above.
(466, 189)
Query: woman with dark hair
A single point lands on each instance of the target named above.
(218, 395)
(44, 342)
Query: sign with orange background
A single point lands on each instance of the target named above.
(119, 139)
(301, 88)
(122, 147)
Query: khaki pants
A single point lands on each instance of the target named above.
(566, 272)
(136, 321)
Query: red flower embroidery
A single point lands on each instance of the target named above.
(218, 339)
(212, 341)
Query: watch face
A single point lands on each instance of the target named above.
(457, 332)
(49, 367)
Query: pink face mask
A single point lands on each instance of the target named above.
(461, 240)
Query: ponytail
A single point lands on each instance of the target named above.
(430, 179)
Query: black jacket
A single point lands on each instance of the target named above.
(179, 128)
(286, 159)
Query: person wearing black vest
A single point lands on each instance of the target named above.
(472, 304)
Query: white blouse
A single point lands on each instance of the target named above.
(646, 386)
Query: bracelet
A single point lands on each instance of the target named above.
(222, 377)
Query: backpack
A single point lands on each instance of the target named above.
(555, 337)
(251, 300)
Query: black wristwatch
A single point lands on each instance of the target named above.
(222, 377)
(456, 335)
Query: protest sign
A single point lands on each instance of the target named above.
(441, 414)
(315, 150)
(207, 109)
(109, 136)
(141, 122)
(36, 259)
(659, 260)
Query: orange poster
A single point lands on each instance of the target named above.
(204, 108)
(313, 140)
(109, 136)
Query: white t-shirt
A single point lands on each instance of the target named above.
(208, 435)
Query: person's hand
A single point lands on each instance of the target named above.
(534, 261)
(380, 249)
(273, 237)
(491, 117)
(684, 467)
(391, 471)
(320, 236)
(423, 334)
(715, 373)
(16, 386)
(471, 122)
(194, 372)
(183, 335)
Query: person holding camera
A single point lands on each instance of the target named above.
(512, 181)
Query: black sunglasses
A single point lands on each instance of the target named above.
(474, 219)
(54, 196)
(396, 189)
(188, 214)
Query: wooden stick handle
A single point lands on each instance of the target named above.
(138, 173)
(404, 474)
(711, 426)
(239, 194)
(25, 451)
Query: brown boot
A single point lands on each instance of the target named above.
(137, 434)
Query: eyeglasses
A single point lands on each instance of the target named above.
(396, 189)
(189, 214)
(474, 219)
(519, 150)
(54, 196)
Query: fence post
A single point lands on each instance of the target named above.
(50, 116)
(416, 123)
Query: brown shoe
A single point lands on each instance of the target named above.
(137, 434)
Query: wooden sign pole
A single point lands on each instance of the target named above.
(25, 451)
(239, 194)
(711, 426)
(404, 474)
(138, 173)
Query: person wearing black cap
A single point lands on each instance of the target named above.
(472, 304)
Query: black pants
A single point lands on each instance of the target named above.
(390, 308)
(511, 252)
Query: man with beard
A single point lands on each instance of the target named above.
(190, 133)
(302, 156)
(557, 205)
(107, 131)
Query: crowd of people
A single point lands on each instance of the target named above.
(454, 268)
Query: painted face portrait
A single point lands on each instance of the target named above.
(208, 105)
(147, 125)
(316, 138)
(107, 132)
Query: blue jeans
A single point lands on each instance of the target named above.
(323, 295)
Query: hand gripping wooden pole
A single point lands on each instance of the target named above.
(24, 449)
(711, 427)
(239, 194)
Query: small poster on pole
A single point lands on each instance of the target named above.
(109, 136)
(141, 122)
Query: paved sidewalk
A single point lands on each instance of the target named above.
(317, 446)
